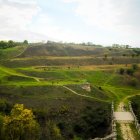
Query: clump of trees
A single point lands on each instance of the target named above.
(137, 51)
(19, 125)
(11, 43)
(129, 71)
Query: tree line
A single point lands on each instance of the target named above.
(11, 43)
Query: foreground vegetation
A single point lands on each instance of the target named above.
(136, 106)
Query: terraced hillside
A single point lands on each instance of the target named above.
(56, 54)
(60, 49)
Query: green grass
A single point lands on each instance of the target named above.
(95, 77)
(119, 134)
(112, 84)
(11, 52)
(136, 134)
(8, 73)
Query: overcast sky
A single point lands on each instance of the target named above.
(98, 21)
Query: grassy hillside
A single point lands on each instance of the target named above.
(9, 53)
(37, 76)
(56, 49)
(60, 49)
(84, 61)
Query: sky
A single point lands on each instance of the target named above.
(103, 22)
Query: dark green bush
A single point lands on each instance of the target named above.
(5, 106)
(121, 71)
(130, 72)
(135, 66)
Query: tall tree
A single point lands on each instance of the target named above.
(25, 42)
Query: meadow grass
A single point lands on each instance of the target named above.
(106, 78)
(10, 53)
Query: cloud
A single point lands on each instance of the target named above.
(46, 25)
(15, 17)
(26, 20)
(115, 15)
(101, 21)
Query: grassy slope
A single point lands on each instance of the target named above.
(11, 52)
(113, 87)
(10, 75)
(29, 91)
(69, 61)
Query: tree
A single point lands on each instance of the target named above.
(52, 131)
(135, 66)
(3, 44)
(11, 43)
(105, 57)
(20, 125)
(25, 42)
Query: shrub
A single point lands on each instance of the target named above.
(130, 72)
(5, 106)
(136, 106)
(133, 82)
(41, 114)
(1, 127)
(64, 109)
(61, 125)
(52, 131)
(134, 66)
(121, 71)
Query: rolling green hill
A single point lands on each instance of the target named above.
(48, 78)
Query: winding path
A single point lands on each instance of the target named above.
(74, 92)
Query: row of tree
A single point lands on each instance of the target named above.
(11, 43)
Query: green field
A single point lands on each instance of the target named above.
(114, 86)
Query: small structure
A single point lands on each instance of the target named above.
(124, 117)
(86, 86)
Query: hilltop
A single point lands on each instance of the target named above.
(68, 49)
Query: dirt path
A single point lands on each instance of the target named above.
(126, 131)
(74, 92)
(15, 73)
